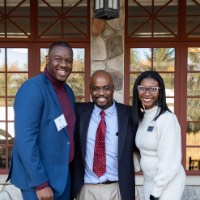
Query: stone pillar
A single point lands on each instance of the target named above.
(107, 49)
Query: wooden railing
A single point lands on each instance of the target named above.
(194, 164)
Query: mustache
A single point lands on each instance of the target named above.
(101, 97)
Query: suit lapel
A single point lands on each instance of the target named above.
(84, 124)
(54, 97)
(122, 128)
(53, 94)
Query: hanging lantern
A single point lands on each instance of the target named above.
(106, 9)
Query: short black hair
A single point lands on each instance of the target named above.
(59, 43)
(138, 110)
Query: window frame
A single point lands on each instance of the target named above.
(180, 84)
(34, 69)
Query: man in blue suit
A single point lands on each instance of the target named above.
(44, 130)
(115, 181)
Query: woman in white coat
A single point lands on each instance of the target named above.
(158, 138)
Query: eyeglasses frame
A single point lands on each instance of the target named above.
(148, 89)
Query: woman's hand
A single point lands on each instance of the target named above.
(153, 198)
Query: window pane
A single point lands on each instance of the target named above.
(2, 109)
(169, 83)
(79, 59)
(77, 82)
(43, 55)
(158, 19)
(193, 134)
(193, 84)
(66, 19)
(15, 19)
(165, 27)
(2, 58)
(193, 109)
(13, 27)
(10, 131)
(2, 157)
(52, 31)
(193, 59)
(192, 18)
(17, 59)
(164, 59)
(193, 158)
(2, 85)
(170, 103)
(10, 110)
(140, 59)
(2, 29)
(3, 133)
(9, 155)
(134, 8)
(139, 27)
(73, 28)
(172, 7)
(132, 81)
(50, 8)
(15, 80)
(80, 9)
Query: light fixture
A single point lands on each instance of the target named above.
(106, 9)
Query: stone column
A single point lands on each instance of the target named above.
(107, 49)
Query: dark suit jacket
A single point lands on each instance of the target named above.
(126, 134)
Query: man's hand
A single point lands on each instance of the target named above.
(45, 193)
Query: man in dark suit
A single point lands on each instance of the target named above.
(115, 181)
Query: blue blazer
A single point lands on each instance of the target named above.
(40, 152)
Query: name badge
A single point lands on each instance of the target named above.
(60, 122)
(150, 128)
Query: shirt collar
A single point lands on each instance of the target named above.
(109, 111)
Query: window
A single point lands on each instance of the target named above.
(27, 28)
(13, 72)
(77, 80)
(63, 19)
(15, 19)
(152, 19)
(160, 59)
(193, 110)
(160, 35)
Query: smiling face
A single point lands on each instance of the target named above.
(148, 99)
(102, 89)
(59, 62)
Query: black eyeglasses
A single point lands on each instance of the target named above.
(144, 89)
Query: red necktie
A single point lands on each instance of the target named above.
(99, 164)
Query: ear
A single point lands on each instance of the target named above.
(47, 59)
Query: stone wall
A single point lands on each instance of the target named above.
(107, 49)
(191, 192)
